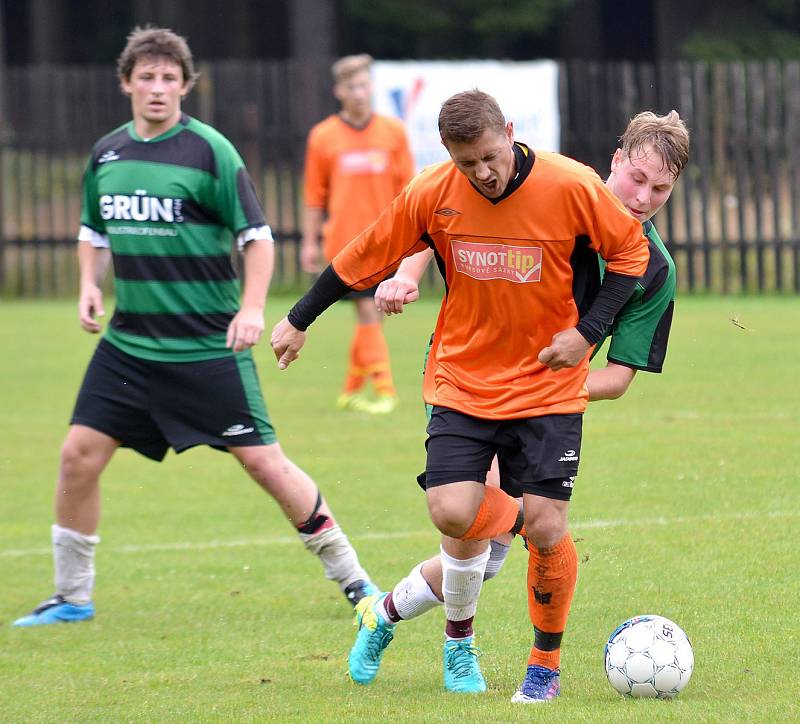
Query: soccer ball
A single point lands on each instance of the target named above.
(649, 656)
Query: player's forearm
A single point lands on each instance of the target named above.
(615, 290)
(413, 267)
(259, 260)
(325, 291)
(610, 382)
(312, 225)
(89, 264)
(102, 262)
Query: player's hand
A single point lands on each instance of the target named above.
(90, 304)
(309, 258)
(567, 349)
(286, 341)
(392, 294)
(245, 329)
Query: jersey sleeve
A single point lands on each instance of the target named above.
(640, 334)
(316, 174)
(641, 330)
(614, 233)
(378, 250)
(235, 196)
(90, 206)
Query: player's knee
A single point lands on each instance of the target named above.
(545, 521)
(545, 532)
(266, 464)
(77, 460)
(451, 519)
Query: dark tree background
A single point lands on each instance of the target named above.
(455, 28)
(93, 31)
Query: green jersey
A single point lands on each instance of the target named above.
(640, 331)
(169, 209)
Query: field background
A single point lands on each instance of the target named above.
(210, 610)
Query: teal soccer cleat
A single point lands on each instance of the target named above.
(540, 684)
(56, 610)
(462, 672)
(374, 635)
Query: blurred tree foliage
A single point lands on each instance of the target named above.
(746, 30)
(454, 28)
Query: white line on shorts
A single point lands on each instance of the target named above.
(406, 534)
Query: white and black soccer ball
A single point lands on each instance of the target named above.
(649, 657)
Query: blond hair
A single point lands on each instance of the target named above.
(668, 135)
(345, 68)
(465, 116)
(152, 42)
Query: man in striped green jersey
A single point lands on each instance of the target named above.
(167, 194)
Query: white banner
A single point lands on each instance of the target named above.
(414, 91)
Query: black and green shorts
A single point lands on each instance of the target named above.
(152, 406)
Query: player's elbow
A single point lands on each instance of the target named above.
(616, 391)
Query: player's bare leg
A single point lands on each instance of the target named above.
(374, 621)
(453, 508)
(84, 455)
(416, 594)
(303, 505)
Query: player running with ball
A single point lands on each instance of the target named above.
(653, 151)
(512, 231)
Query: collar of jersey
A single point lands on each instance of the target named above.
(174, 131)
(353, 126)
(524, 158)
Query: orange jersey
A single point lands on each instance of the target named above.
(354, 174)
(509, 267)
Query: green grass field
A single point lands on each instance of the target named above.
(209, 609)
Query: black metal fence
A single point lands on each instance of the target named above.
(731, 223)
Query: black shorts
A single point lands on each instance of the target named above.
(152, 406)
(538, 455)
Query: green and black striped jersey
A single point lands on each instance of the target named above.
(640, 331)
(169, 209)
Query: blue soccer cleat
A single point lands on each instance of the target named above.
(360, 589)
(540, 684)
(374, 635)
(462, 672)
(56, 610)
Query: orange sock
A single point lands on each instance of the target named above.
(497, 514)
(356, 374)
(552, 575)
(375, 357)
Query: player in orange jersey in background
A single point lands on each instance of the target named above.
(357, 161)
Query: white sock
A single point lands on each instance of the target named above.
(413, 596)
(497, 557)
(73, 558)
(461, 584)
(338, 557)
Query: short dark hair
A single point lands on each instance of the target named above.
(667, 135)
(152, 42)
(465, 116)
